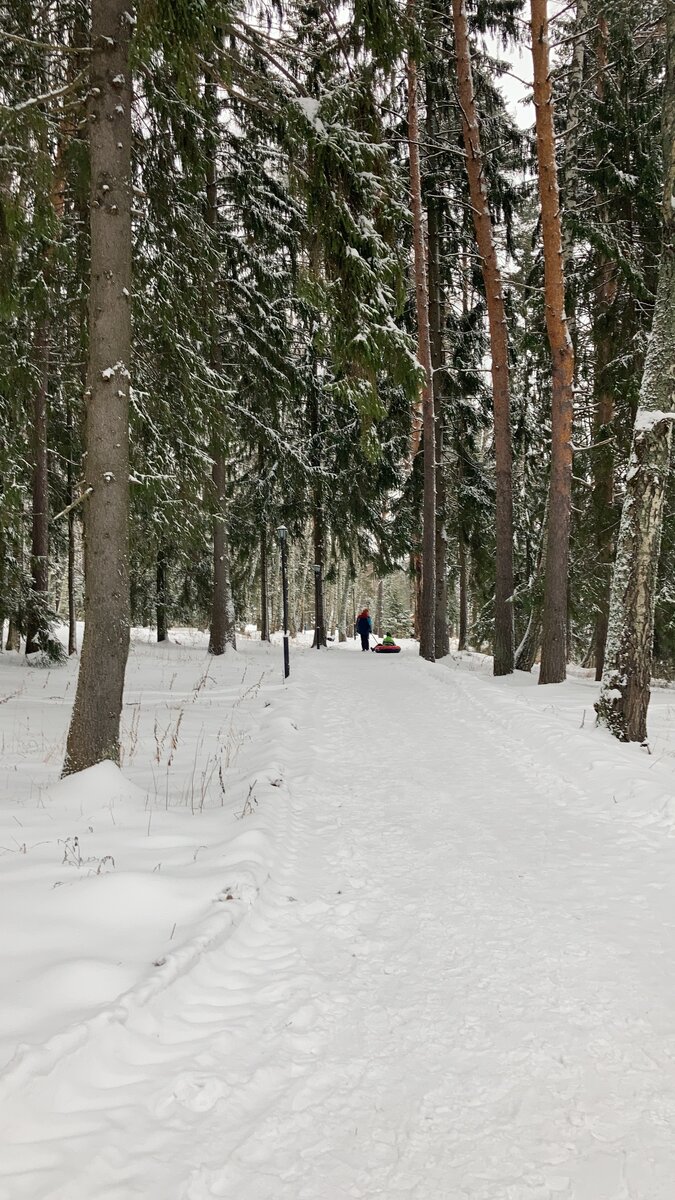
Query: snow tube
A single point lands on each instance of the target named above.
(386, 649)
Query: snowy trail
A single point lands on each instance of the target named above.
(457, 982)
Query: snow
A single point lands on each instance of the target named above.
(393, 929)
(646, 419)
(119, 369)
(310, 108)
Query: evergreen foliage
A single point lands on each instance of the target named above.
(304, 282)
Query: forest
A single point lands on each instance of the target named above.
(343, 271)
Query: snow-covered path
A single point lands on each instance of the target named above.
(456, 984)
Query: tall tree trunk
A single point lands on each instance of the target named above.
(319, 639)
(304, 580)
(264, 598)
(624, 696)
(343, 621)
(36, 622)
(603, 396)
(428, 599)
(222, 631)
(416, 590)
(94, 728)
(603, 459)
(161, 596)
(318, 521)
(553, 655)
(482, 222)
(222, 626)
(572, 158)
(72, 623)
(463, 630)
(436, 323)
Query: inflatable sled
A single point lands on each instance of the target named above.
(382, 649)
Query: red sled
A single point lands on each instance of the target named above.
(382, 649)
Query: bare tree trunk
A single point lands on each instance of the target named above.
(222, 629)
(264, 598)
(428, 599)
(35, 625)
(161, 596)
(554, 656)
(624, 696)
(463, 632)
(94, 728)
(13, 636)
(379, 605)
(603, 456)
(319, 618)
(304, 579)
(526, 653)
(416, 570)
(343, 601)
(603, 462)
(436, 322)
(571, 162)
(72, 623)
(482, 222)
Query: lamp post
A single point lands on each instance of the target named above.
(318, 614)
(282, 532)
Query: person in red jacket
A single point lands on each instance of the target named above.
(364, 627)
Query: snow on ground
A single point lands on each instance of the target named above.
(390, 930)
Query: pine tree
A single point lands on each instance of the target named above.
(554, 641)
(503, 635)
(624, 698)
(94, 727)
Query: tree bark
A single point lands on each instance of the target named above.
(463, 630)
(264, 597)
(624, 696)
(343, 601)
(603, 394)
(161, 596)
(571, 160)
(428, 598)
(94, 728)
(528, 649)
(35, 625)
(554, 651)
(379, 606)
(72, 623)
(416, 590)
(602, 496)
(436, 323)
(494, 295)
(319, 618)
(222, 626)
(222, 631)
(13, 636)
(526, 653)
(317, 519)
